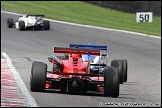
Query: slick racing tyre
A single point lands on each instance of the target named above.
(46, 25)
(21, 25)
(119, 64)
(125, 68)
(111, 81)
(38, 76)
(10, 22)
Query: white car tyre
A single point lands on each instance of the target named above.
(21, 25)
(46, 25)
(10, 22)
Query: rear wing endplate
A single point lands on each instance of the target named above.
(76, 51)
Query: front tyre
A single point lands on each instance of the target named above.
(119, 64)
(38, 76)
(21, 25)
(111, 81)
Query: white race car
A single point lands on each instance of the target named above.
(33, 22)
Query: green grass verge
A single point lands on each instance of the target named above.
(83, 13)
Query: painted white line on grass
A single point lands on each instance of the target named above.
(28, 98)
(96, 27)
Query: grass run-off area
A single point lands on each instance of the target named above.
(84, 13)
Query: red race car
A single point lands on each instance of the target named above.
(72, 74)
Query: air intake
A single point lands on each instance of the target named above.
(75, 61)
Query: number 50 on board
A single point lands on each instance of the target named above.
(143, 16)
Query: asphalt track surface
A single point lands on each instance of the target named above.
(142, 53)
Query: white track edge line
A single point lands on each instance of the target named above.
(30, 101)
(96, 27)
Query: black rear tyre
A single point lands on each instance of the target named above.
(10, 22)
(111, 81)
(125, 66)
(38, 76)
(21, 25)
(119, 64)
(46, 25)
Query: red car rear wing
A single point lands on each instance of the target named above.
(76, 51)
